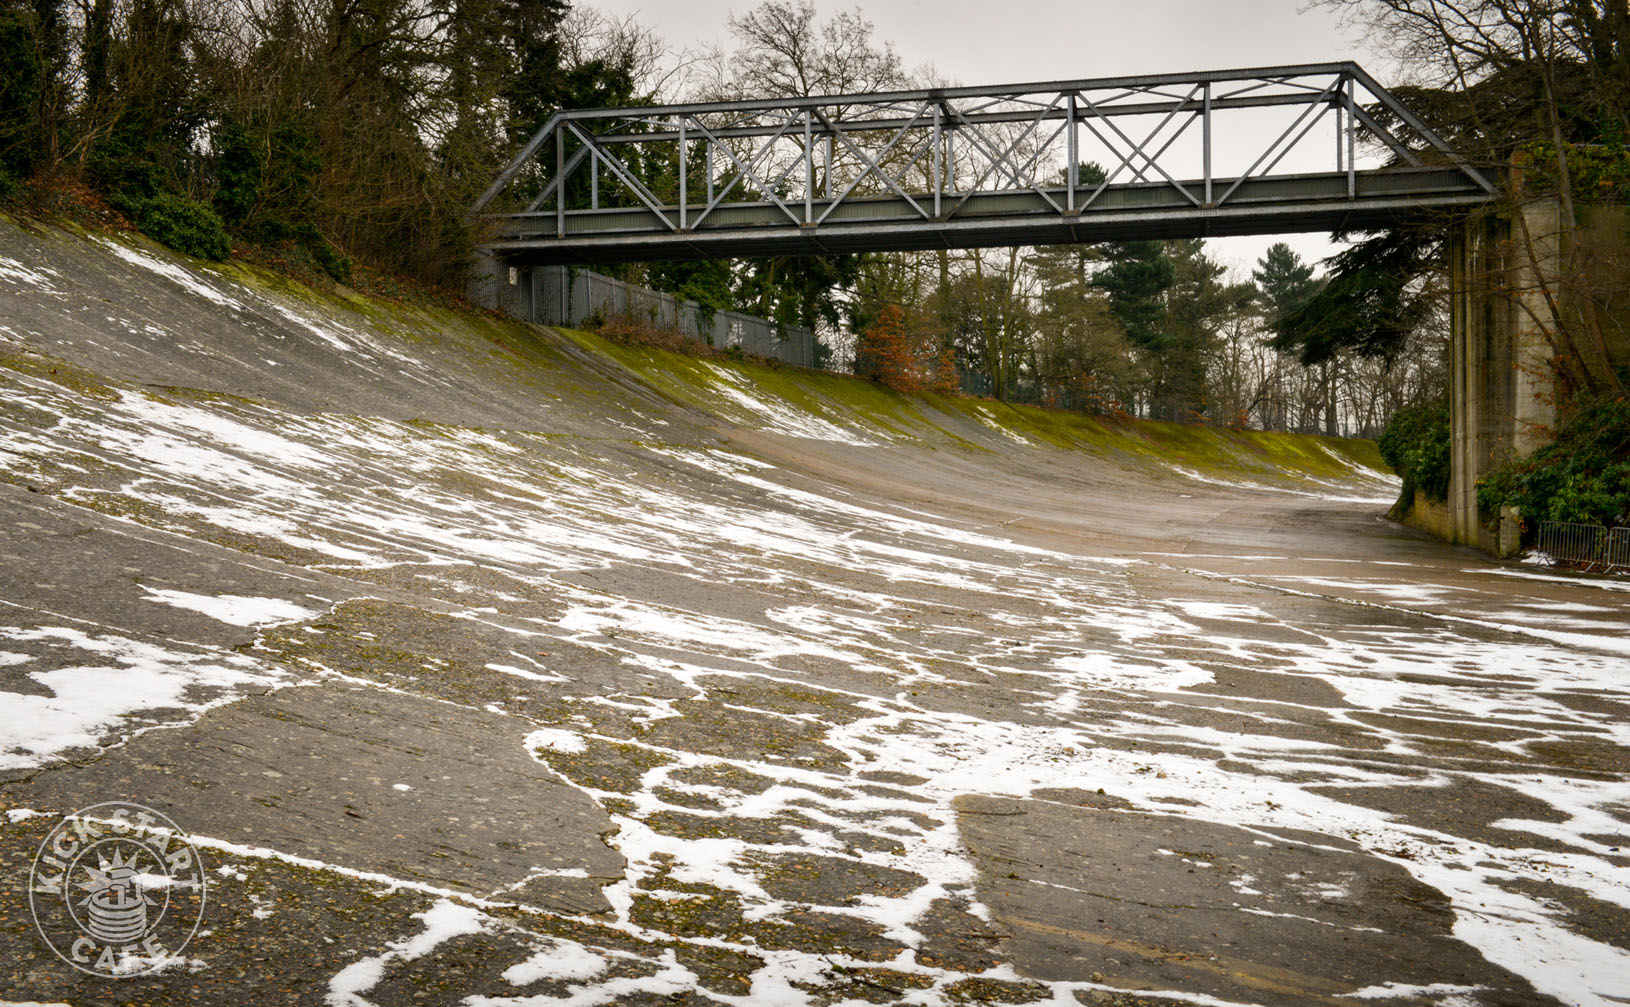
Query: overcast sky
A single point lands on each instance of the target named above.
(976, 42)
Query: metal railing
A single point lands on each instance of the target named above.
(1590, 546)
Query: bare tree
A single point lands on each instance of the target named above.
(589, 36)
(786, 52)
(1522, 74)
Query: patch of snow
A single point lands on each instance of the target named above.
(1364, 471)
(556, 740)
(175, 273)
(1599, 583)
(1400, 991)
(1101, 670)
(442, 922)
(1220, 610)
(232, 609)
(16, 272)
(989, 419)
(116, 678)
(145, 966)
(562, 959)
(1339, 497)
(780, 417)
(1394, 591)
(510, 669)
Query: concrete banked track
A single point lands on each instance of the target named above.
(492, 665)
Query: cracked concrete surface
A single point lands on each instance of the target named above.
(489, 665)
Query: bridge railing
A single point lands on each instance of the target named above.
(1069, 149)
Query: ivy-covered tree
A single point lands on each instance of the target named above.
(21, 85)
(145, 141)
(797, 290)
(1547, 84)
(708, 282)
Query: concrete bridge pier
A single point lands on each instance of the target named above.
(498, 286)
(1503, 384)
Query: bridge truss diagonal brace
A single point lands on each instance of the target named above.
(516, 164)
(1001, 157)
(871, 164)
(1308, 116)
(1137, 149)
(746, 171)
(1426, 133)
(623, 173)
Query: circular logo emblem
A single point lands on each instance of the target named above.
(116, 889)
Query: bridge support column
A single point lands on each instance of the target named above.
(1502, 384)
(486, 273)
(500, 287)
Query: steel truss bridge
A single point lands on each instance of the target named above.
(1318, 147)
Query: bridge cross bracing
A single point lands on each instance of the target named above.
(1257, 151)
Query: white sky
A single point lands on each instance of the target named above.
(977, 42)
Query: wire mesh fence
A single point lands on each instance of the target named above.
(562, 297)
(1590, 546)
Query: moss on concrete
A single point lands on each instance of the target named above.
(984, 424)
(59, 372)
(1002, 991)
(605, 765)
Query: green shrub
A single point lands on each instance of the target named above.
(1416, 445)
(124, 171)
(326, 256)
(1583, 476)
(239, 174)
(185, 225)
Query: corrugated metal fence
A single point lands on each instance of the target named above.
(561, 297)
(1591, 546)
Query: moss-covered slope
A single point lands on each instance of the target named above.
(806, 403)
(120, 306)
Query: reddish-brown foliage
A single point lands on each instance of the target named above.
(633, 330)
(904, 354)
